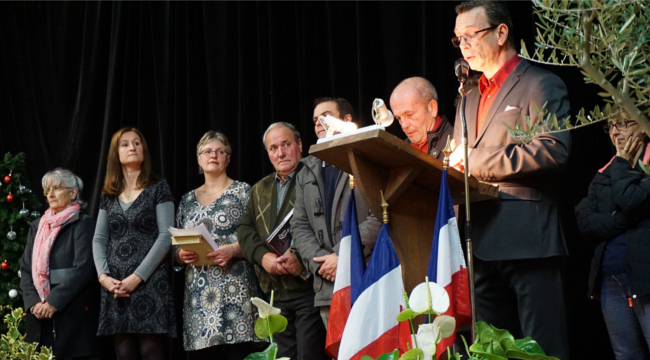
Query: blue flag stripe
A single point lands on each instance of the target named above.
(357, 263)
(445, 212)
(383, 259)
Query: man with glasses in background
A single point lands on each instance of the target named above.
(519, 247)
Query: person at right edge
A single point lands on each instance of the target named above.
(517, 237)
(616, 216)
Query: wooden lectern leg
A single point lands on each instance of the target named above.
(399, 180)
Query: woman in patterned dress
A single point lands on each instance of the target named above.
(218, 319)
(130, 244)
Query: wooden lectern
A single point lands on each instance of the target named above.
(410, 180)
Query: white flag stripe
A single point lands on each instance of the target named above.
(449, 243)
(363, 326)
(343, 269)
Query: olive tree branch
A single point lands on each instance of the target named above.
(585, 63)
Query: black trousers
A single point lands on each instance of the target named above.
(526, 298)
(304, 338)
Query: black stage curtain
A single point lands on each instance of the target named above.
(72, 73)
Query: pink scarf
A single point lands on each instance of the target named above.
(646, 157)
(48, 228)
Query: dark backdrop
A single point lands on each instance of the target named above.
(72, 73)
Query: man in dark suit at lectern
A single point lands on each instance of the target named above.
(518, 242)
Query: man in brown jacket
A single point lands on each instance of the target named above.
(270, 200)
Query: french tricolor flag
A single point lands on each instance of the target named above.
(447, 264)
(372, 328)
(349, 275)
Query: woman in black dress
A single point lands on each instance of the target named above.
(130, 245)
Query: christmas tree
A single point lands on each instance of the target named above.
(19, 205)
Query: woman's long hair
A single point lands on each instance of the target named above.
(114, 180)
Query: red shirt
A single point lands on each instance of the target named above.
(490, 88)
(424, 147)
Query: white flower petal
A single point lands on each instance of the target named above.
(264, 308)
(447, 325)
(426, 336)
(419, 301)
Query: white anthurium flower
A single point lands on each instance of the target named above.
(264, 308)
(419, 299)
(427, 337)
(447, 325)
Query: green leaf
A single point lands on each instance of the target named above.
(388, 356)
(268, 354)
(485, 354)
(627, 23)
(277, 323)
(523, 51)
(639, 71)
(533, 352)
(567, 123)
(412, 354)
(554, 125)
(261, 328)
(407, 314)
(528, 345)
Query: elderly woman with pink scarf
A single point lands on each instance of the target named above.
(58, 274)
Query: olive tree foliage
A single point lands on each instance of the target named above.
(608, 41)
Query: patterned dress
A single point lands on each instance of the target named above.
(150, 308)
(217, 308)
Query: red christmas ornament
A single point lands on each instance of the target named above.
(5, 265)
(10, 198)
(7, 179)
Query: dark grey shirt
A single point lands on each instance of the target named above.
(282, 188)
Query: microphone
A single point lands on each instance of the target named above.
(461, 68)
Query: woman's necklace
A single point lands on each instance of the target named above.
(127, 195)
(216, 192)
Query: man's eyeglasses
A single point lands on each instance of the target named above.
(469, 39)
(212, 152)
(620, 126)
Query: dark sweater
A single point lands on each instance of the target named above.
(258, 221)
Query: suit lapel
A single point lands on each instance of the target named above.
(505, 89)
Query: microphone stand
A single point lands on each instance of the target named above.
(468, 223)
